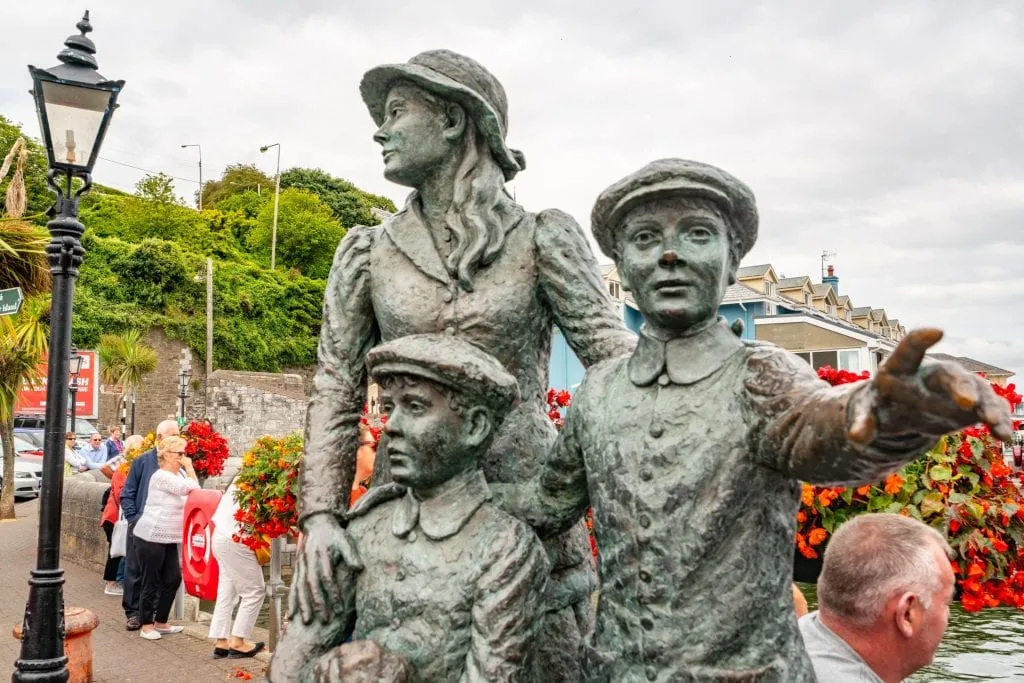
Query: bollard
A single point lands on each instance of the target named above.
(78, 627)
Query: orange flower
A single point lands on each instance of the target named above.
(801, 517)
(808, 552)
(817, 536)
(807, 495)
(863, 490)
(893, 484)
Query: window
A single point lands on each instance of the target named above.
(849, 359)
(831, 309)
(807, 298)
(613, 289)
(848, 315)
(806, 357)
(771, 309)
(820, 359)
(769, 288)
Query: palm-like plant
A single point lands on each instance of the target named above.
(23, 257)
(19, 363)
(125, 360)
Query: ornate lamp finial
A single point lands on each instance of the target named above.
(79, 50)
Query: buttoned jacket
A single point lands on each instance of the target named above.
(691, 453)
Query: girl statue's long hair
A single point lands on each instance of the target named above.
(476, 217)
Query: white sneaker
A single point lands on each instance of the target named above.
(150, 635)
(116, 589)
(170, 629)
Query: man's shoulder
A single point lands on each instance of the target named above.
(832, 658)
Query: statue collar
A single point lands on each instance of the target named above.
(445, 514)
(684, 360)
(408, 230)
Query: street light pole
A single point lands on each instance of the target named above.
(74, 368)
(75, 105)
(277, 195)
(200, 148)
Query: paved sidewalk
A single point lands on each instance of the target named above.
(118, 655)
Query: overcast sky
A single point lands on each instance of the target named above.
(888, 133)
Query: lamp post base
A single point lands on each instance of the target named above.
(43, 657)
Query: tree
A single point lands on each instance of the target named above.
(307, 233)
(348, 203)
(20, 356)
(125, 360)
(157, 188)
(237, 178)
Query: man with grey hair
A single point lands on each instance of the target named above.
(883, 601)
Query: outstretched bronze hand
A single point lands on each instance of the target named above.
(907, 396)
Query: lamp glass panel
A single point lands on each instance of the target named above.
(74, 115)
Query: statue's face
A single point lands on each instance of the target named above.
(673, 255)
(412, 136)
(424, 436)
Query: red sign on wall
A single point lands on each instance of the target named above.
(33, 400)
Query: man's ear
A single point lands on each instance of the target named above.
(476, 426)
(908, 605)
(456, 127)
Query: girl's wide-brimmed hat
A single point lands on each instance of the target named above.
(456, 78)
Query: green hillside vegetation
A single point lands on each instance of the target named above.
(144, 251)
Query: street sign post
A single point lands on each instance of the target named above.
(10, 301)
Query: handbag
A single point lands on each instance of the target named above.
(119, 537)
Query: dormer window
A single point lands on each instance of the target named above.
(807, 298)
(769, 288)
(613, 289)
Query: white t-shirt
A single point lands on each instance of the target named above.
(164, 515)
(834, 661)
(224, 523)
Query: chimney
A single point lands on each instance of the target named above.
(831, 279)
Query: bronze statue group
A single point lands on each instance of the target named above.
(468, 558)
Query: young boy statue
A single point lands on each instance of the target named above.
(691, 451)
(450, 585)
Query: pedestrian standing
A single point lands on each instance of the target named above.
(240, 583)
(133, 503)
(158, 533)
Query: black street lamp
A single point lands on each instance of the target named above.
(183, 379)
(74, 104)
(74, 369)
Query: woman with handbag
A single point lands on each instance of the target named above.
(158, 533)
(240, 583)
(113, 572)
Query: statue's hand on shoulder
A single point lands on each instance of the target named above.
(315, 590)
(933, 398)
(362, 661)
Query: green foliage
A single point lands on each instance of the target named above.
(157, 188)
(23, 257)
(307, 232)
(348, 203)
(125, 359)
(237, 178)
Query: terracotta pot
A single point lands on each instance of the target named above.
(78, 627)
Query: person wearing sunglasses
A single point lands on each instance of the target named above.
(158, 533)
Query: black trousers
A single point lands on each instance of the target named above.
(132, 577)
(113, 563)
(161, 576)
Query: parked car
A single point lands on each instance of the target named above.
(28, 469)
(31, 427)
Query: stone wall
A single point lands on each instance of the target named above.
(82, 540)
(244, 406)
(157, 398)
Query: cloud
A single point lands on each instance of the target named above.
(888, 133)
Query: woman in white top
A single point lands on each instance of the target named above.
(240, 583)
(158, 533)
